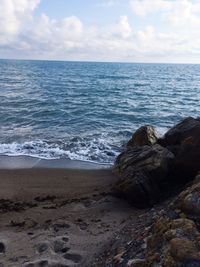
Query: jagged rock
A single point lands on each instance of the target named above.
(173, 243)
(188, 201)
(145, 135)
(181, 131)
(149, 164)
(143, 172)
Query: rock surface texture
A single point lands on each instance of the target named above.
(151, 166)
(145, 135)
(144, 171)
(174, 239)
(167, 235)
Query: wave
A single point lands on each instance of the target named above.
(99, 151)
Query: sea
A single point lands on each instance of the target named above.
(88, 110)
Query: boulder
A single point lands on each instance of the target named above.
(149, 165)
(143, 171)
(145, 135)
(181, 131)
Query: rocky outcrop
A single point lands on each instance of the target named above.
(173, 242)
(149, 166)
(145, 135)
(180, 132)
(167, 235)
(174, 239)
(144, 171)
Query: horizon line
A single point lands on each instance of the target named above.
(94, 61)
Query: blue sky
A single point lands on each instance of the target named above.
(96, 12)
(101, 30)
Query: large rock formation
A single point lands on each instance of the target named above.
(144, 171)
(177, 134)
(149, 166)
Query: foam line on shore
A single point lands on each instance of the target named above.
(28, 162)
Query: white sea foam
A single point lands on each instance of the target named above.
(90, 151)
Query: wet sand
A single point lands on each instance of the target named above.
(57, 217)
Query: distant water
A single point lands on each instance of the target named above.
(88, 111)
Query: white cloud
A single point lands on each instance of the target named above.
(14, 14)
(124, 27)
(177, 12)
(183, 13)
(41, 37)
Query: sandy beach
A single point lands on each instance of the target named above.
(57, 217)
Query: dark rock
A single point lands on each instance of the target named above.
(184, 141)
(143, 172)
(186, 128)
(145, 135)
(149, 166)
(187, 161)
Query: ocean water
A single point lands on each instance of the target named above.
(88, 111)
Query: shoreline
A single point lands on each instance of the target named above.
(29, 162)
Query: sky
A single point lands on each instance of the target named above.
(101, 30)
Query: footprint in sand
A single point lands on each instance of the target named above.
(60, 246)
(44, 263)
(60, 226)
(2, 247)
(42, 247)
(76, 258)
